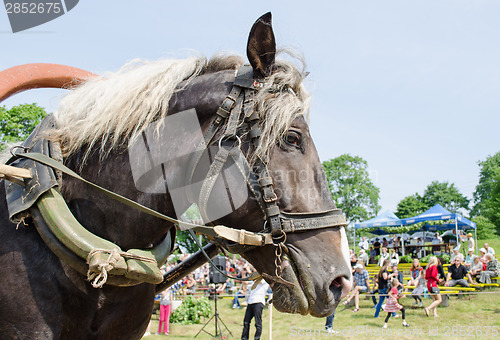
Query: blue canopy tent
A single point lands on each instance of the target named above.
(445, 226)
(379, 231)
(438, 213)
(385, 219)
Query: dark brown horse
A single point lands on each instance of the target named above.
(133, 133)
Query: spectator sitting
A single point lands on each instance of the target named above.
(384, 243)
(469, 259)
(191, 284)
(384, 256)
(393, 256)
(492, 269)
(361, 283)
(456, 252)
(440, 270)
(417, 280)
(354, 260)
(415, 272)
(363, 256)
(457, 271)
(476, 268)
(482, 257)
(489, 250)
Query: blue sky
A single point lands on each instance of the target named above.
(413, 87)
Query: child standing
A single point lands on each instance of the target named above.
(165, 303)
(392, 304)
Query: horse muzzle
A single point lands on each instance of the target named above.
(316, 272)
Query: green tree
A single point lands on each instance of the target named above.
(485, 228)
(492, 204)
(184, 238)
(411, 206)
(490, 168)
(351, 188)
(445, 194)
(17, 123)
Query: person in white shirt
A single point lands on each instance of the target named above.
(363, 256)
(363, 244)
(471, 242)
(393, 256)
(489, 250)
(383, 256)
(256, 302)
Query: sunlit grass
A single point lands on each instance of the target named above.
(475, 314)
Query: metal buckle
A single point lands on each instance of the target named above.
(270, 199)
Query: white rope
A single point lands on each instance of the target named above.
(98, 278)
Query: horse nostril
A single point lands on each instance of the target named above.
(340, 287)
(347, 286)
(337, 282)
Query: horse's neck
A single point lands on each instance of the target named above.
(106, 217)
(153, 170)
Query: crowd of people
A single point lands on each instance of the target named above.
(198, 282)
(389, 281)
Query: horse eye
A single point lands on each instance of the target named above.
(292, 138)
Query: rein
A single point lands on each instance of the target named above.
(237, 106)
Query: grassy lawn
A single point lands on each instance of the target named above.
(477, 315)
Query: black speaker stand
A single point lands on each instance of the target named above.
(218, 321)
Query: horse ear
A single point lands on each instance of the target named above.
(261, 47)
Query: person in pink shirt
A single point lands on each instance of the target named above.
(392, 304)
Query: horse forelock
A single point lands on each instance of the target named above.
(282, 99)
(108, 110)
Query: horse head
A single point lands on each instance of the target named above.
(310, 271)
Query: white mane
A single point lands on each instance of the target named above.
(109, 109)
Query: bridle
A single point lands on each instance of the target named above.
(235, 116)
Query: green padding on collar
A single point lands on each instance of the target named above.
(134, 264)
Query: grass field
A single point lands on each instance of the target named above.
(476, 315)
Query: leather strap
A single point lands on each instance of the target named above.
(209, 182)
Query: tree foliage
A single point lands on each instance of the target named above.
(411, 206)
(445, 194)
(351, 188)
(17, 123)
(492, 204)
(184, 238)
(485, 228)
(436, 193)
(490, 168)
